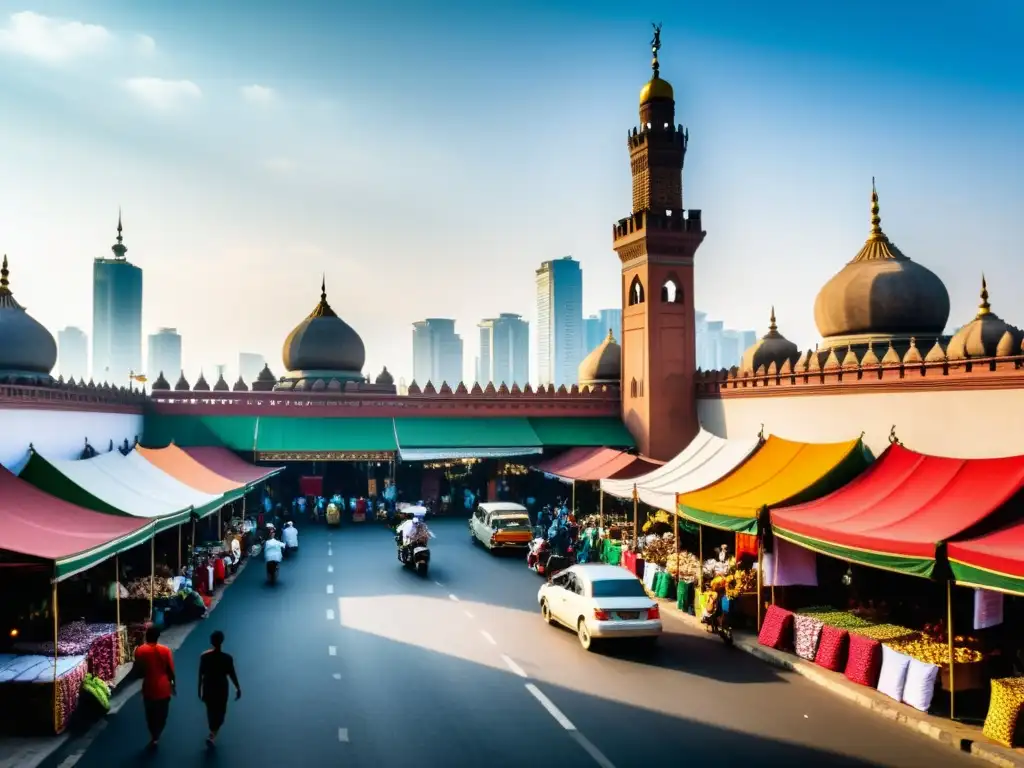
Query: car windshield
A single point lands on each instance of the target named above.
(617, 588)
(501, 523)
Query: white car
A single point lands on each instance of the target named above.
(600, 602)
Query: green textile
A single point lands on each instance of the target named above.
(611, 553)
(664, 585)
(83, 561)
(287, 434)
(684, 596)
(968, 576)
(446, 432)
(905, 564)
(193, 431)
(722, 522)
(585, 431)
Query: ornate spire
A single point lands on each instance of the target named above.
(6, 297)
(655, 47)
(4, 274)
(323, 309)
(878, 246)
(983, 307)
(119, 248)
(876, 220)
(772, 327)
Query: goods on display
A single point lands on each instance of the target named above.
(807, 634)
(658, 550)
(832, 648)
(139, 588)
(26, 691)
(685, 564)
(920, 686)
(886, 633)
(892, 680)
(1004, 710)
(777, 628)
(932, 652)
(836, 618)
(863, 660)
(98, 690)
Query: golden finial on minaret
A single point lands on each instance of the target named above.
(984, 308)
(655, 47)
(4, 274)
(876, 220)
(323, 286)
(772, 327)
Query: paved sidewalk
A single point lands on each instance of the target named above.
(958, 736)
(30, 752)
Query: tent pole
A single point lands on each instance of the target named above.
(952, 655)
(179, 549)
(572, 510)
(56, 636)
(700, 557)
(117, 591)
(152, 574)
(760, 582)
(636, 520)
(675, 539)
(243, 509)
(600, 523)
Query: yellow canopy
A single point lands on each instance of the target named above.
(780, 471)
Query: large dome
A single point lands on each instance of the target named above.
(773, 347)
(881, 294)
(324, 342)
(27, 350)
(603, 365)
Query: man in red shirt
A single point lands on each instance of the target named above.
(155, 665)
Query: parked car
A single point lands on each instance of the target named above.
(501, 525)
(600, 602)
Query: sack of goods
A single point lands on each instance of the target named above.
(97, 690)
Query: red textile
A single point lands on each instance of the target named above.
(777, 628)
(597, 464)
(1001, 551)
(220, 571)
(906, 502)
(746, 544)
(573, 456)
(36, 524)
(157, 667)
(226, 464)
(864, 663)
(311, 485)
(832, 648)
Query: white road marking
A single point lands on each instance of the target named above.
(591, 750)
(513, 666)
(468, 614)
(336, 675)
(332, 650)
(487, 637)
(343, 735)
(453, 597)
(438, 583)
(330, 589)
(83, 746)
(330, 615)
(549, 705)
(330, 569)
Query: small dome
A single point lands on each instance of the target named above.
(324, 342)
(266, 375)
(385, 377)
(182, 385)
(221, 385)
(881, 293)
(27, 350)
(160, 383)
(987, 335)
(201, 385)
(603, 365)
(240, 385)
(656, 88)
(773, 347)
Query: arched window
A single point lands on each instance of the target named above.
(636, 292)
(671, 293)
(632, 388)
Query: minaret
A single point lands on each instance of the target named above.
(656, 245)
(119, 248)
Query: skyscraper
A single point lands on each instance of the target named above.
(164, 355)
(611, 320)
(73, 353)
(594, 333)
(436, 352)
(116, 316)
(249, 366)
(504, 351)
(560, 338)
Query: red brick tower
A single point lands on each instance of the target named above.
(656, 245)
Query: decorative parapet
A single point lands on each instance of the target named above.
(845, 372)
(70, 396)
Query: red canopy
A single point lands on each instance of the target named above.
(994, 561)
(36, 524)
(226, 464)
(556, 465)
(894, 514)
(591, 464)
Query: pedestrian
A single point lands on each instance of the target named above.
(215, 669)
(155, 665)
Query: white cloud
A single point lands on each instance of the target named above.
(52, 40)
(145, 45)
(258, 94)
(163, 94)
(279, 165)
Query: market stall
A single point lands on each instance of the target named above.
(226, 464)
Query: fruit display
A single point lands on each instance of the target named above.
(740, 582)
(685, 564)
(715, 567)
(658, 523)
(659, 550)
(932, 652)
(835, 618)
(887, 633)
(139, 588)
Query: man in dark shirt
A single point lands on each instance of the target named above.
(215, 669)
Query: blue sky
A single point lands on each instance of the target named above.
(428, 156)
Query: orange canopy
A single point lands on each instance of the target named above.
(182, 467)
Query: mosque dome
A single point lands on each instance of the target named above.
(324, 342)
(385, 377)
(603, 365)
(987, 335)
(656, 88)
(182, 384)
(160, 384)
(773, 347)
(27, 350)
(201, 385)
(240, 385)
(881, 293)
(220, 385)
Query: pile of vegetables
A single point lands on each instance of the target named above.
(739, 582)
(98, 689)
(688, 566)
(928, 650)
(659, 550)
(838, 619)
(139, 588)
(887, 633)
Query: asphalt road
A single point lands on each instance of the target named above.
(352, 660)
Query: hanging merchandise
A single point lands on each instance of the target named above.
(988, 608)
(790, 566)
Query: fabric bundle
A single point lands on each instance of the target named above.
(777, 628)
(807, 634)
(864, 662)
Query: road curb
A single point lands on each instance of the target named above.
(954, 735)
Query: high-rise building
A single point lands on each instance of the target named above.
(164, 355)
(436, 352)
(593, 333)
(73, 353)
(611, 320)
(249, 366)
(504, 351)
(719, 347)
(116, 316)
(560, 333)
(656, 244)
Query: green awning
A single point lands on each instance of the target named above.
(421, 439)
(69, 566)
(583, 431)
(905, 564)
(283, 438)
(194, 431)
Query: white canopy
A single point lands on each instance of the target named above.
(705, 460)
(148, 478)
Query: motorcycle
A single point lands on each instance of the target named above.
(715, 618)
(415, 556)
(272, 568)
(542, 560)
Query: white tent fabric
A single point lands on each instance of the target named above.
(135, 471)
(705, 460)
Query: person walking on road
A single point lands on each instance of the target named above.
(155, 665)
(215, 669)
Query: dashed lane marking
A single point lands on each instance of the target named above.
(591, 750)
(468, 614)
(330, 615)
(488, 637)
(343, 735)
(516, 669)
(330, 589)
(588, 747)
(332, 650)
(453, 597)
(336, 675)
(330, 569)
(438, 583)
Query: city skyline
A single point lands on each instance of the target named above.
(781, 106)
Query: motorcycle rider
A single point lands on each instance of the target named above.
(413, 531)
(290, 534)
(273, 554)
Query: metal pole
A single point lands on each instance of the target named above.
(760, 567)
(572, 510)
(152, 574)
(636, 519)
(675, 538)
(700, 557)
(952, 655)
(117, 591)
(56, 636)
(179, 549)
(601, 511)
